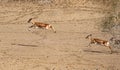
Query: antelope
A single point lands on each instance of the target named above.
(40, 25)
(99, 42)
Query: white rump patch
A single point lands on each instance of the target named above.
(107, 44)
(47, 27)
(36, 27)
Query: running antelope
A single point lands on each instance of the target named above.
(98, 41)
(40, 25)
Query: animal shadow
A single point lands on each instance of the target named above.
(93, 51)
(28, 45)
(105, 52)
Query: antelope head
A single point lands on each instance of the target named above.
(88, 36)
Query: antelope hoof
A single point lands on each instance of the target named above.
(54, 31)
(111, 52)
(28, 29)
(88, 46)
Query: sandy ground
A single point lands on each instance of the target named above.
(40, 49)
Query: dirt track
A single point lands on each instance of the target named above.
(40, 49)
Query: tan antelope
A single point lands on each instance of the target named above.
(40, 25)
(98, 41)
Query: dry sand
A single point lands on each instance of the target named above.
(40, 49)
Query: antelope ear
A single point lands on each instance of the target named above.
(90, 34)
(86, 37)
(29, 20)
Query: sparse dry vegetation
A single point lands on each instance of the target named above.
(111, 23)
